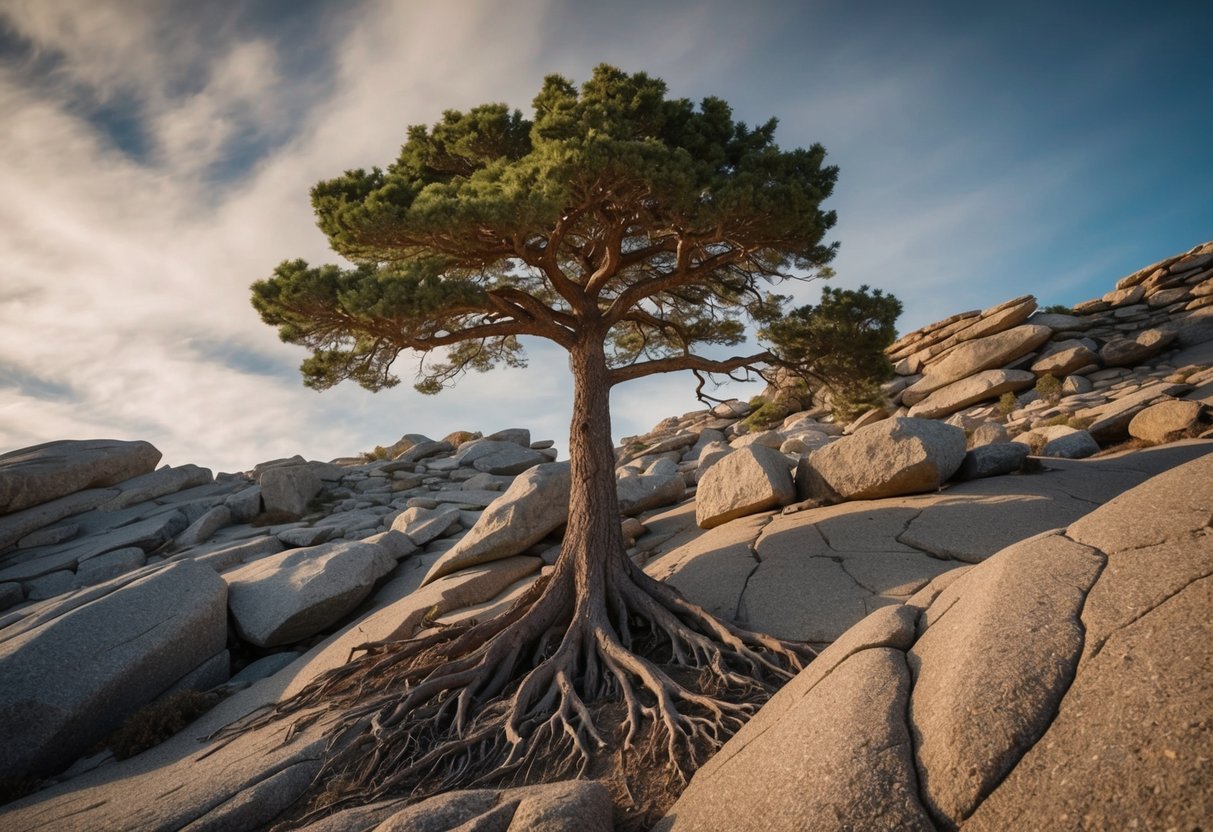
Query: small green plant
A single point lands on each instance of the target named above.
(1068, 420)
(153, 724)
(1048, 387)
(1008, 403)
(1057, 309)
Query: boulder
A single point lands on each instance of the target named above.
(39, 474)
(156, 484)
(69, 681)
(1160, 422)
(422, 525)
(17, 525)
(289, 596)
(289, 488)
(992, 460)
(747, 481)
(1129, 352)
(1063, 362)
(979, 387)
(519, 436)
(201, 529)
(535, 505)
(898, 456)
(509, 459)
(245, 504)
(641, 492)
(424, 450)
(974, 356)
(987, 433)
(1062, 441)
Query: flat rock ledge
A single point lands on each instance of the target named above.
(1061, 684)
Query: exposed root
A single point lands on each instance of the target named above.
(563, 684)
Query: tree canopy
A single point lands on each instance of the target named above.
(662, 222)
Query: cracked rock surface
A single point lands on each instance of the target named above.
(1060, 684)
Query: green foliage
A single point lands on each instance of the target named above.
(153, 724)
(1008, 403)
(767, 414)
(650, 220)
(1058, 309)
(1048, 387)
(1068, 420)
(841, 341)
(379, 452)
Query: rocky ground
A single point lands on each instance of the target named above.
(1071, 579)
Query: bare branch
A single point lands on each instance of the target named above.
(688, 362)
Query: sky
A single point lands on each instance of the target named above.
(156, 158)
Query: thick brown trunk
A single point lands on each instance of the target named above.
(593, 549)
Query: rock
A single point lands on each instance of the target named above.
(795, 770)
(289, 596)
(1076, 385)
(245, 504)
(201, 529)
(422, 525)
(11, 594)
(508, 459)
(39, 474)
(49, 536)
(71, 680)
(424, 450)
(1124, 297)
(1068, 443)
(225, 557)
(1060, 323)
(747, 481)
(49, 585)
(157, 484)
(305, 536)
(985, 660)
(535, 505)
(897, 456)
(1129, 352)
(15, 526)
(110, 565)
(642, 492)
(519, 436)
(1112, 419)
(396, 543)
(1065, 361)
(289, 488)
(971, 357)
(992, 460)
(988, 433)
(1160, 422)
(768, 438)
(709, 455)
(979, 387)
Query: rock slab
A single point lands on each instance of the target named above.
(39, 474)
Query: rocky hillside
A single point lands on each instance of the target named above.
(124, 585)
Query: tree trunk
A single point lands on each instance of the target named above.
(593, 549)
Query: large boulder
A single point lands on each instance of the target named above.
(289, 488)
(535, 505)
(979, 387)
(289, 596)
(897, 456)
(971, 357)
(31, 476)
(1129, 352)
(747, 481)
(641, 492)
(1159, 422)
(67, 682)
(992, 460)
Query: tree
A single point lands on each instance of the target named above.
(632, 230)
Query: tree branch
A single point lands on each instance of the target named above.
(687, 362)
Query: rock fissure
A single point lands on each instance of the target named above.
(740, 613)
(1098, 647)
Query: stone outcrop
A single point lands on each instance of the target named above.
(1081, 652)
(36, 475)
(70, 679)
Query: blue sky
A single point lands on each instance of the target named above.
(155, 159)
